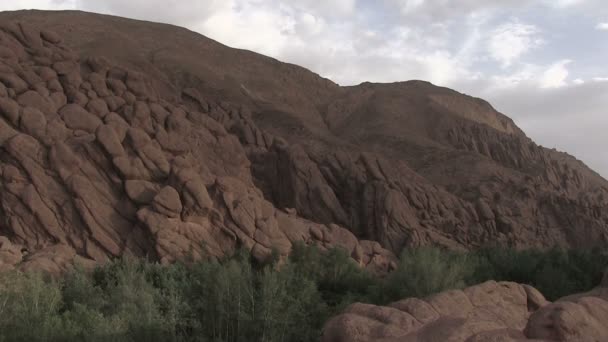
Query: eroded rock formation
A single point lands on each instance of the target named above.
(126, 137)
(483, 313)
(95, 164)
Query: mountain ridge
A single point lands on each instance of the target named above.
(180, 140)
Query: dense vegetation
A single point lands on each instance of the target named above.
(235, 300)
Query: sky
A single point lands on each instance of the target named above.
(541, 62)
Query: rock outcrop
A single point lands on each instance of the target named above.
(95, 164)
(174, 145)
(487, 312)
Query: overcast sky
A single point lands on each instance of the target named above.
(541, 62)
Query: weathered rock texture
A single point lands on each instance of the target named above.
(96, 164)
(487, 312)
(126, 137)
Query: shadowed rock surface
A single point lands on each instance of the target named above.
(128, 137)
(488, 312)
(97, 163)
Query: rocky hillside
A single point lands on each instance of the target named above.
(128, 137)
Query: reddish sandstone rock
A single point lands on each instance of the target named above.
(487, 312)
(175, 142)
(77, 118)
(167, 202)
(140, 191)
(580, 317)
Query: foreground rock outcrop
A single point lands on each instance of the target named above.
(487, 312)
(121, 137)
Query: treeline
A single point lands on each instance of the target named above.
(237, 300)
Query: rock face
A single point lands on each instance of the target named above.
(487, 312)
(96, 164)
(174, 145)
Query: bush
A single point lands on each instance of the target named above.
(119, 303)
(29, 308)
(555, 272)
(337, 276)
(425, 271)
(234, 300)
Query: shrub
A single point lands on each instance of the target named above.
(425, 271)
(554, 272)
(29, 308)
(234, 299)
(338, 278)
(118, 302)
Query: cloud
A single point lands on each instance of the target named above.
(445, 10)
(555, 76)
(524, 75)
(578, 81)
(35, 4)
(327, 8)
(309, 25)
(565, 3)
(511, 40)
(233, 26)
(602, 26)
(183, 12)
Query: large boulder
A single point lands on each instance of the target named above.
(496, 310)
(580, 317)
(492, 311)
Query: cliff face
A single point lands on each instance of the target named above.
(128, 137)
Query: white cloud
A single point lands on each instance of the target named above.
(36, 4)
(600, 79)
(410, 6)
(511, 40)
(445, 10)
(183, 12)
(555, 76)
(327, 8)
(578, 81)
(234, 28)
(564, 3)
(525, 74)
(308, 24)
(602, 26)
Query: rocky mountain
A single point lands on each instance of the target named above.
(123, 137)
